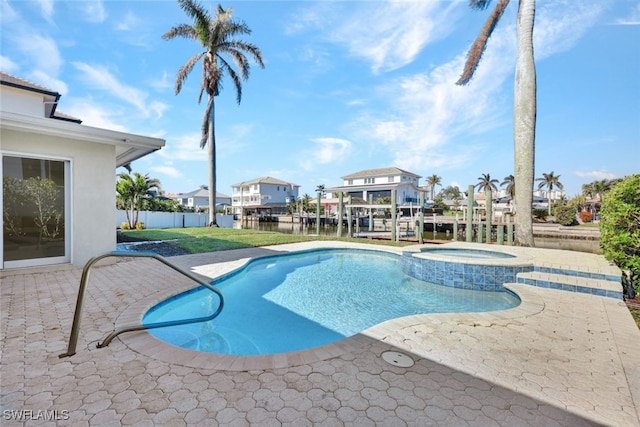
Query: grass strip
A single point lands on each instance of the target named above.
(205, 239)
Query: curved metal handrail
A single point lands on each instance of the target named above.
(75, 328)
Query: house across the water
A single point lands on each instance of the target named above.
(263, 196)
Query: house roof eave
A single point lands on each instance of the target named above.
(129, 147)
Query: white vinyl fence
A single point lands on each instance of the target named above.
(175, 219)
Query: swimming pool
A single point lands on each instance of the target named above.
(307, 299)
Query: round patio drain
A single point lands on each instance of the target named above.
(397, 359)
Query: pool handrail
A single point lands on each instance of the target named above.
(75, 328)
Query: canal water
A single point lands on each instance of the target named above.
(328, 230)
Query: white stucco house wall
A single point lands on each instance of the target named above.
(263, 193)
(71, 168)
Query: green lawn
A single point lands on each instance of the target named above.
(205, 239)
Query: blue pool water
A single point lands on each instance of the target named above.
(303, 300)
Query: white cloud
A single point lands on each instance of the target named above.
(48, 80)
(8, 15)
(92, 11)
(129, 22)
(167, 170)
(93, 114)
(556, 30)
(42, 52)
(162, 83)
(633, 17)
(325, 151)
(184, 147)
(389, 35)
(46, 8)
(8, 65)
(100, 78)
(427, 113)
(596, 175)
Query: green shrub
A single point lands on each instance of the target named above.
(124, 225)
(620, 227)
(565, 215)
(586, 217)
(540, 214)
(139, 225)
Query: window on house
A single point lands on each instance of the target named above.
(369, 180)
(350, 182)
(390, 179)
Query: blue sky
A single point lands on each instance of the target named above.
(347, 86)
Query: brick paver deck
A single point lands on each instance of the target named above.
(561, 358)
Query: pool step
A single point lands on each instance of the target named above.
(571, 282)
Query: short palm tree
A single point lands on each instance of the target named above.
(131, 190)
(485, 182)
(549, 180)
(217, 35)
(524, 104)
(432, 181)
(510, 183)
(598, 188)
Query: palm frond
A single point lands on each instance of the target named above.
(182, 30)
(185, 70)
(205, 122)
(200, 17)
(237, 81)
(479, 4)
(478, 47)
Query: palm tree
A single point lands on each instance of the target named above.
(510, 183)
(549, 180)
(131, 190)
(524, 104)
(598, 188)
(217, 35)
(306, 202)
(485, 182)
(432, 181)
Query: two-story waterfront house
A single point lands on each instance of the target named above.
(379, 183)
(268, 195)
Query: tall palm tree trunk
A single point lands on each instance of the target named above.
(211, 157)
(524, 123)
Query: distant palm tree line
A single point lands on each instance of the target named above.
(597, 189)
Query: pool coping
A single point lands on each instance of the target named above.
(145, 343)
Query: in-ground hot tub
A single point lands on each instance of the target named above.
(467, 253)
(464, 267)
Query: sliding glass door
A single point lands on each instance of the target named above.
(35, 211)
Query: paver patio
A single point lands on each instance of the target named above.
(560, 358)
